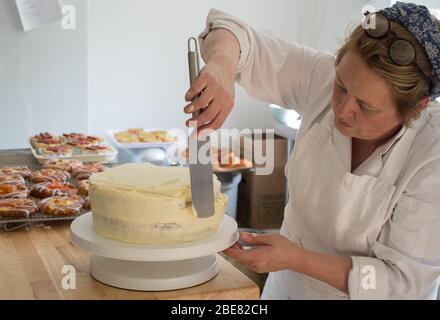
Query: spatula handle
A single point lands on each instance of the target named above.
(194, 63)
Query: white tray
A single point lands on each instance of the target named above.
(140, 145)
(102, 158)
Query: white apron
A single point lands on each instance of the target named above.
(331, 210)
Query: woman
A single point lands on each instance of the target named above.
(363, 220)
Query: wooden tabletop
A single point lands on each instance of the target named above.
(32, 260)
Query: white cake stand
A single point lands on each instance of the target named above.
(153, 268)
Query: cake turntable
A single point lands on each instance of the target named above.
(153, 267)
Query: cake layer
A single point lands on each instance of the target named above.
(142, 203)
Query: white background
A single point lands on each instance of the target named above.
(125, 64)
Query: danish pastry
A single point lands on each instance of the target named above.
(86, 170)
(95, 150)
(61, 206)
(79, 143)
(23, 171)
(62, 164)
(87, 204)
(83, 188)
(49, 175)
(17, 208)
(43, 144)
(12, 179)
(69, 137)
(41, 137)
(53, 189)
(57, 151)
(13, 191)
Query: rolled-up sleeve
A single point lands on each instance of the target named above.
(273, 70)
(406, 264)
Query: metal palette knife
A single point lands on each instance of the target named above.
(200, 172)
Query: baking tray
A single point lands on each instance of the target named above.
(25, 157)
(102, 158)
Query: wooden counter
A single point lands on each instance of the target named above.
(31, 262)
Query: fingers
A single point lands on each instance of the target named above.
(234, 251)
(215, 124)
(261, 240)
(201, 102)
(207, 115)
(197, 87)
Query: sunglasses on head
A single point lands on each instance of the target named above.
(401, 52)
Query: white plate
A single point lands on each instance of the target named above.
(83, 235)
(139, 145)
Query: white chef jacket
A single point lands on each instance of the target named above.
(407, 252)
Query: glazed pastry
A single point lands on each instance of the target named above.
(94, 140)
(57, 151)
(87, 204)
(41, 137)
(53, 189)
(43, 144)
(13, 191)
(83, 188)
(79, 143)
(17, 208)
(62, 164)
(49, 175)
(95, 150)
(69, 137)
(12, 179)
(85, 172)
(23, 171)
(61, 206)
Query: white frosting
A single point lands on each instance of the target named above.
(142, 203)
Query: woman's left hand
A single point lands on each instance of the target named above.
(269, 253)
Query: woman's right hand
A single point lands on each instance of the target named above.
(212, 94)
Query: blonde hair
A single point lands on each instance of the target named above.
(408, 84)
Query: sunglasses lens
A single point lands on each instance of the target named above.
(402, 53)
(377, 25)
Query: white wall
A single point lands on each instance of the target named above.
(125, 65)
(43, 77)
(137, 53)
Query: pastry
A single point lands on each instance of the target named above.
(62, 164)
(53, 189)
(69, 137)
(23, 171)
(61, 206)
(87, 204)
(142, 203)
(43, 144)
(13, 191)
(79, 143)
(57, 151)
(41, 137)
(125, 137)
(17, 208)
(96, 150)
(94, 140)
(83, 188)
(12, 179)
(49, 175)
(86, 170)
(139, 135)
